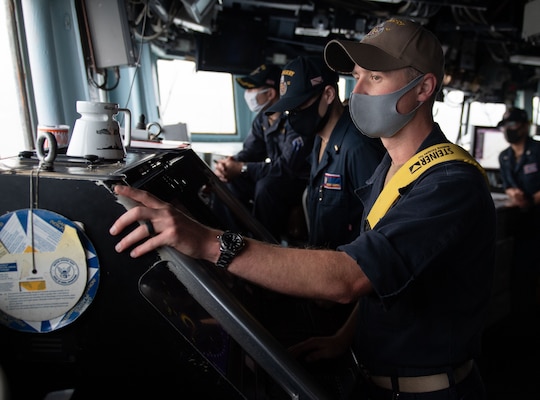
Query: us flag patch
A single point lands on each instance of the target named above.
(530, 168)
(332, 181)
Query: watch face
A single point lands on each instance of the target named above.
(232, 241)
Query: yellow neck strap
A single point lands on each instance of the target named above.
(411, 170)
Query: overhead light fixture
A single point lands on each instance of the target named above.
(197, 15)
(311, 32)
(198, 9)
(526, 60)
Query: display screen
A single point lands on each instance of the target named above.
(487, 144)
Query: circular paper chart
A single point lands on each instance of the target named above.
(49, 270)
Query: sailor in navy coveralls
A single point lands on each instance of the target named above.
(520, 174)
(349, 159)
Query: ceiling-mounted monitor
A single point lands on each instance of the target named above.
(238, 47)
(105, 31)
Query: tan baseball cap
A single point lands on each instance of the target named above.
(394, 44)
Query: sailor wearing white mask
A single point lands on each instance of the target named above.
(252, 97)
(271, 171)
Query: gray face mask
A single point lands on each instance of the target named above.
(377, 116)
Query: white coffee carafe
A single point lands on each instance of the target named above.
(97, 133)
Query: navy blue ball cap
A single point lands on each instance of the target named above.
(265, 75)
(300, 79)
(514, 115)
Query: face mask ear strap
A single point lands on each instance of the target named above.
(412, 83)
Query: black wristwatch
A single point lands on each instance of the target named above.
(230, 244)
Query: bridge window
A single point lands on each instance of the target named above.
(457, 116)
(12, 134)
(204, 100)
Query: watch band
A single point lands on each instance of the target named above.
(225, 258)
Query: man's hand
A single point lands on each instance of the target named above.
(517, 198)
(161, 224)
(228, 168)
